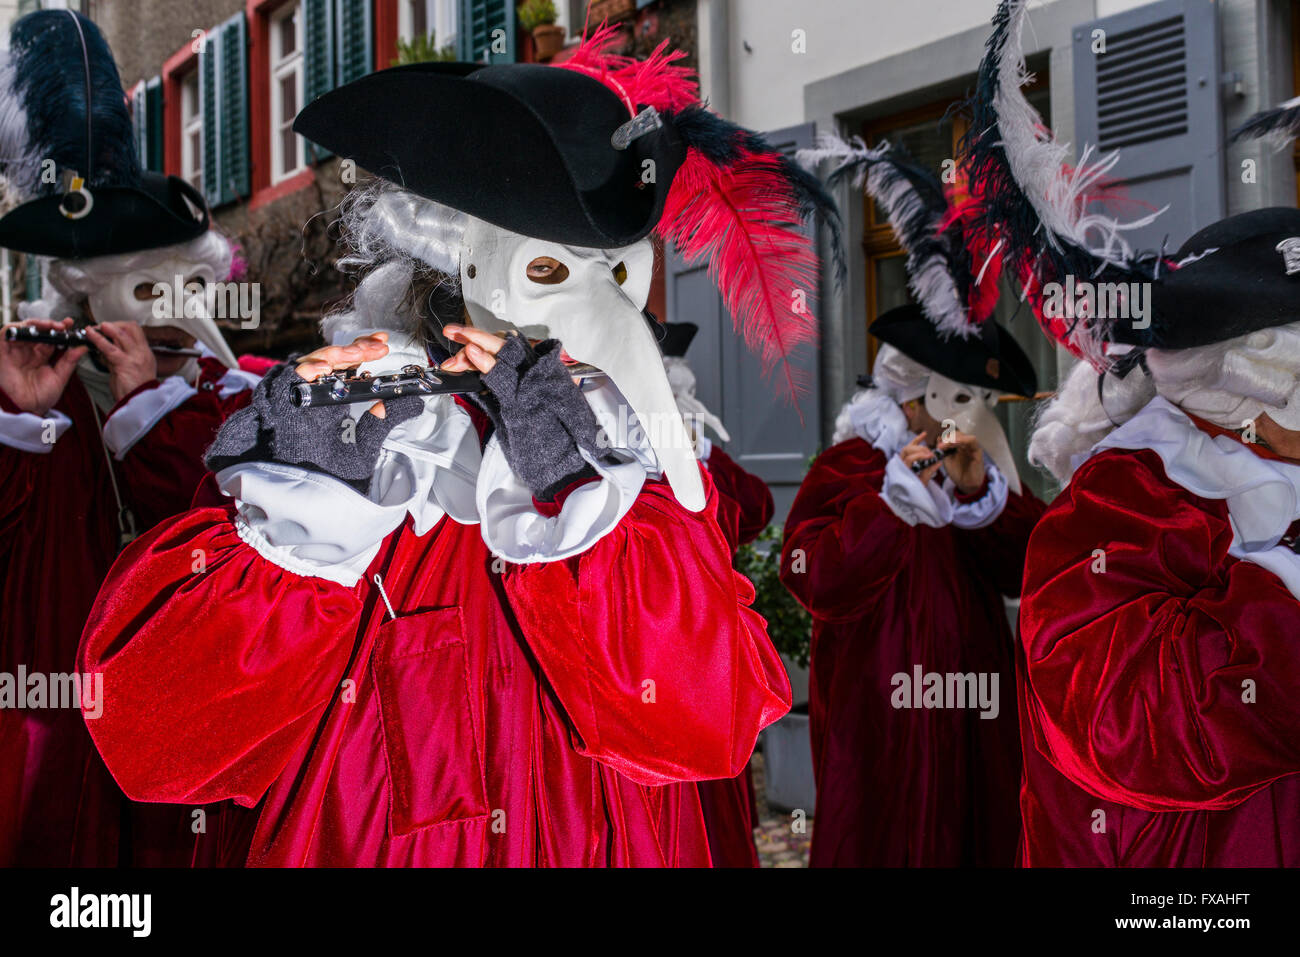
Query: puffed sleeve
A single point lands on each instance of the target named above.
(1162, 673)
(745, 503)
(649, 643)
(216, 663)
(843, 544)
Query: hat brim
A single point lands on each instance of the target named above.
(160, 211)
(521, 146)
(991, 360)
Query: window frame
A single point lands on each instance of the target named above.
(190, 122)
(278, 67)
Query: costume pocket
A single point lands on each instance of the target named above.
(421, 675)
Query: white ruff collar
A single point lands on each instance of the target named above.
(1263, 495)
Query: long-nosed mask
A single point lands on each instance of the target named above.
(591, 301)
(116, 300)
(971, 410)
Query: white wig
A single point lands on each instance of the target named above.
(392, 238)
(1227, 383)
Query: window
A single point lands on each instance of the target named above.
(419, 18)
(191, 131)
(286, 91)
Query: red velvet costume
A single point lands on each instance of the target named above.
(900, 787)
(1131, 682)
(58, 537)
(745, 508)
(498, 719)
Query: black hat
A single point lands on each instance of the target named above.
(992, 359)
(94, 199)
(525, 147)
(677, 337)
(1243, 276)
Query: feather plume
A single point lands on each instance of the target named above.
(44, 112)
(1280, 125)
(737, 202)
(1030, 203)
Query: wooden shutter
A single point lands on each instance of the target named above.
(152, 157)
(1154, 95)
(223, 93)
(355, 46)
(140, 122)
(318, 48)
(771, 436)
(479, 20)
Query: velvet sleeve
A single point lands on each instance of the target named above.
(165, 467)
(216, 663)
(843, 544)
(1167, 678)
(745, 503)
(649, 644)
(1000, 547)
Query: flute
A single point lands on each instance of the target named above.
(70, 338)
(939, 456)
(411, 380)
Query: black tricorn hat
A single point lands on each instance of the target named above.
(1245, 277)
(992, 359)
(70, 153)
(677, 338)
(157, 211)
(528, 148)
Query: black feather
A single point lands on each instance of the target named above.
(1281, 122)
(49, 64)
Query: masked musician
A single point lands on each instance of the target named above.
(487, 632)
(1159, 686)
(97, 442)
(903, 558)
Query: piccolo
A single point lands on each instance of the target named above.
(939, 456)
(70, 338)
(411, 380)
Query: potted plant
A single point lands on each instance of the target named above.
(600, 11)
(538, 18)
(787, 746)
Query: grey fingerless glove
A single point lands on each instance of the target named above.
(341, 440)
(541, 417)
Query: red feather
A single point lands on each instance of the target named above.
(758, 256)
(743, 219)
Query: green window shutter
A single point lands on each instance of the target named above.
(140, 123)
(478, 38)
(33, 278)
(355, 56)
(152, 157)
(208, 100)
(318, 59)
(233, 111)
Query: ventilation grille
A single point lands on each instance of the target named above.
(1142, 85)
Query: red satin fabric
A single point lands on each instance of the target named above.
(1139, 750)
(58, 537)
(745, 508)
(546, 715)
(904, 787)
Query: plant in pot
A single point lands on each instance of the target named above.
(538, 18)
(787, 748)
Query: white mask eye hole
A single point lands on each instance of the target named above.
(620, 273)
(143, 291)
(199, 281)
(547, 271)
(962, 398)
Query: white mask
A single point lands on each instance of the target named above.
(114, 300)
(970, 409)
(681, 379)
(592, 305)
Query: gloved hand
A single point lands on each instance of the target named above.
(541, 417)
(341, 441)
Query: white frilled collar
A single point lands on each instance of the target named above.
(1263, 495)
